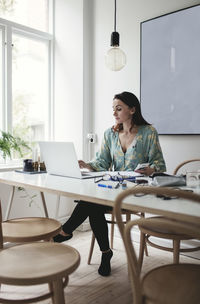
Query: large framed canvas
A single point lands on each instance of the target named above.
(170, 71)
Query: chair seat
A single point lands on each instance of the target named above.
(37, 263)
(172, 284)
(29, 229)
(161, 232)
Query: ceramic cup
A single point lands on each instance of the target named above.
(193, 179)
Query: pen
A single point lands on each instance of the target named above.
(133, 178)
(105, 186)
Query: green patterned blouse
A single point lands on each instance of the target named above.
(145, 149)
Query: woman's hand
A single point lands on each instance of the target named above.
(84, 165)
(146, 171)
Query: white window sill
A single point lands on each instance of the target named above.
(11, 165)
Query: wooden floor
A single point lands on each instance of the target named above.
(86, 286)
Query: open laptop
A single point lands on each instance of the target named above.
(60, 159)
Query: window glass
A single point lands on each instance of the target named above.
(1, 84)
(29, 88)
(33, 13)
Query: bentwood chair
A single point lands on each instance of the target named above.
(168, 284)
(176, 238)
(29, 229)
(184, 165)
(111, 220)
(37, 263)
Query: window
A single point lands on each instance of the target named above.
(1, 78)
(33, 13)
(30, 87)
(25, 65)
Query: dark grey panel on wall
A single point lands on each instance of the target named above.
(170, 71)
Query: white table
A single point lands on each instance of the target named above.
(89, 191)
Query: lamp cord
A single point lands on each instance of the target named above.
(115, 13)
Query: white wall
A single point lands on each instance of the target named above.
(73, 73)
(84, 87)
(68, 76)
(107, 83)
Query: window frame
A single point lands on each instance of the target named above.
(9, 28)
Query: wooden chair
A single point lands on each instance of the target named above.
(186, 162)
(37, 263)
(169, 284)
(127, 214)
(176, 238)
(146, 232)
(29, 229)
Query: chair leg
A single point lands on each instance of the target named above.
(176, 251)
(50, 287)
(128, 217)
(145, 248)
(112, 231)
(58, 292)
(145, 243)
(91, 249)
(142, 249)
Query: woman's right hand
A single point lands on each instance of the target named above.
(84, 165)
(146, 171)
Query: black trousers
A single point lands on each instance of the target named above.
(96, 214)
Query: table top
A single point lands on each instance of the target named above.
(86, 189)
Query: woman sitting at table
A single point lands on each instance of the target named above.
(131, 141)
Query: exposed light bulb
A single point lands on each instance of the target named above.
(115, 59)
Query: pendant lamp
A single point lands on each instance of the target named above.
(115, 58)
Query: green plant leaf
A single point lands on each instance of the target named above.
(9, 143)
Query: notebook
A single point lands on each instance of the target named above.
(60, 159)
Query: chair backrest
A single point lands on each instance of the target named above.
(125, 231)
(190, 164)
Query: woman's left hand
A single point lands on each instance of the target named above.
(146, 171)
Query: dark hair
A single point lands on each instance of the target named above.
(132, 101)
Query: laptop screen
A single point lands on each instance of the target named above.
(60, 159)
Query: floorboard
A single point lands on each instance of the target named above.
(86, 286)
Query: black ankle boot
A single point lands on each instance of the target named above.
(104, 268)
(59, 238)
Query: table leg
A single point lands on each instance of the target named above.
(57, 206)
(10, 201)
(44, 204)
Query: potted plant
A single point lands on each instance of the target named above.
(10, 144)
